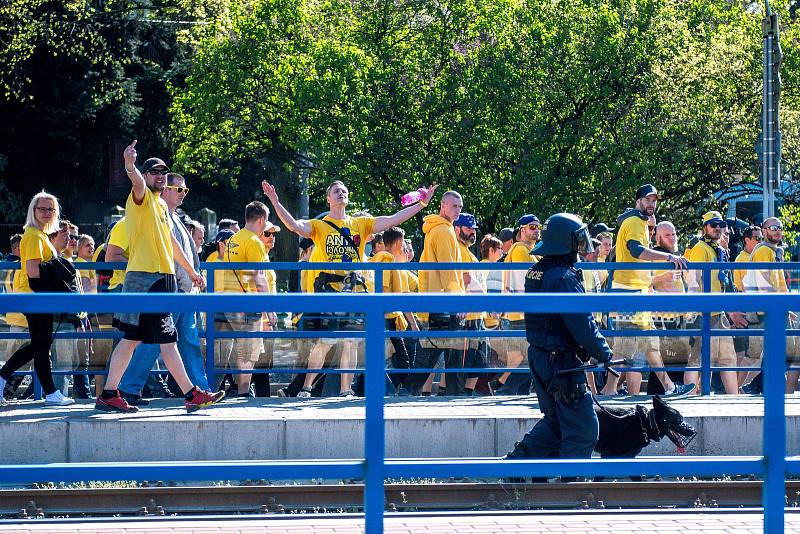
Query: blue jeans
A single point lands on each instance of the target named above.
(145, 356)
(567, 430)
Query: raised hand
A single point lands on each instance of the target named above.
(429, 193)
(130, 155)
(269, 191)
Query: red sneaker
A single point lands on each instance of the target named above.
(114, 404)
(202, 399)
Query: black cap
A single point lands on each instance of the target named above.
(305, 242)
(153, 162)
(599, 228)
(646, 190)
(506, 234)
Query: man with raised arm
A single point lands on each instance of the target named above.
(153, 252)
(337, 238)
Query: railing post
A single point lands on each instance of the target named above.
(211, 374)
(374, 433)
(705, 353)
(774, 365)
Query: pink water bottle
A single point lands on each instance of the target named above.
(413, 196)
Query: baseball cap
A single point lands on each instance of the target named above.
(714, 216)
(646, 190)
(466, 219)
(599, 228)
(506, 234)
(153, 162)
(223, 235)
(271, 228)
(527, 219)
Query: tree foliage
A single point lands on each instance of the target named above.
(523, 105)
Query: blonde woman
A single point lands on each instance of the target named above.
(42, 219)
(85, 252)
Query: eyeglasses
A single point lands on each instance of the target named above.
(162, 172)
(74, 236)
(46, 210)
(717, 225)
(774, 227)
(178, 188)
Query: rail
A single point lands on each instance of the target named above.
(772, 465)
(705, 332)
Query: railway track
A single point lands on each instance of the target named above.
(276, 499)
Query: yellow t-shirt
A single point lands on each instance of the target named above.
(477, 283)
(633, 228)
(119, 238)
(702, 252)
(331, 246)
(393, 282)
(34, 246)
(738, 274)
(149, 228)
(243, 246)
(412, 280)
(765, 281)
(272, 279)
(514, 281)
(91, 274)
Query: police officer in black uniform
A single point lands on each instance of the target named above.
(559, 341)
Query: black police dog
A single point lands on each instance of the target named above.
(624, 432)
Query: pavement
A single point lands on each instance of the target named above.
(333, 428)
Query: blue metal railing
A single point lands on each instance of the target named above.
(705, 331)
(773, 465)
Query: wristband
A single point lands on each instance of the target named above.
(424, 204)
(129, 170)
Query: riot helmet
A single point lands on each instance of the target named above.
(564, 233)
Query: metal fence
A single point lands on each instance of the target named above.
(705, 332)
(773, 465)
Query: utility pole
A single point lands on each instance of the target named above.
(770, 121)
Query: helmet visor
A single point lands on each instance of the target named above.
(582, 241)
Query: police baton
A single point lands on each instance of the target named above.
(594, 367)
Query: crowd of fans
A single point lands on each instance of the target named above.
(165, 257)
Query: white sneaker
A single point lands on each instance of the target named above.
(57, 399)
(303, 394)
(3, 402)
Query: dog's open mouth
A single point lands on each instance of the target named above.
(681, 435)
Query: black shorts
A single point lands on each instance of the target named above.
(154, 328)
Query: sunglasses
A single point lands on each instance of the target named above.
(46, 210)
(74, 236)
(162, 172)
(179, 188)
(774, 227)
(533, 226)
(717, 225)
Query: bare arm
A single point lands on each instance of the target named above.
(387, 221)
(300, 227)
(137, 180)
(649, 254)
(260, 281)
(32, 266)
(114, 253)
(184, 262)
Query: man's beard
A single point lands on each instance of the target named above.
(155, 189)
(773, 240)
(467, 240)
